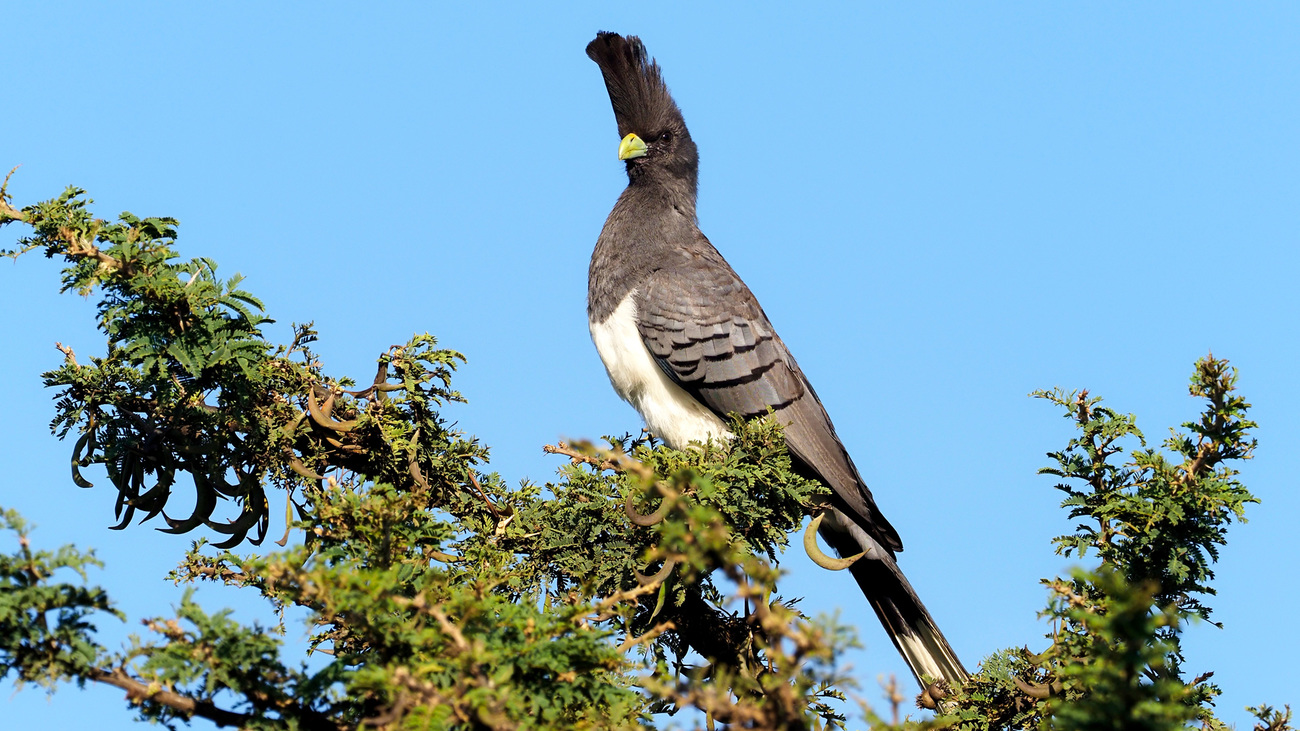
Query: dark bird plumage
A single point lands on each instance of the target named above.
(686, 342)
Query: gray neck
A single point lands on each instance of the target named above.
(653, 220)
(678, 177)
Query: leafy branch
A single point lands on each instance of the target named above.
(640, 582)
(440, 595)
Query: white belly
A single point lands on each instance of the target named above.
(670, 413)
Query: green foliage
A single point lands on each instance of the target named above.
(443, 598)
(45, 627)
(640, 583)
(186, 366)
(1118, 676)
(1271, 719)
(203, 657)
(1153, 518)
(1156, 524)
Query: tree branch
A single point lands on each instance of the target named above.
(139, 692)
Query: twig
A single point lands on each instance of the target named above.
(604, 459)
(473, 480)
(138, 692)
(646, 638)
(581, 458)
(230, 576)
(501, 527)
(601, 611)
(70, 356)
(79, 247)
(8, 211)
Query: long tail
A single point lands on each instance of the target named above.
(904, 617)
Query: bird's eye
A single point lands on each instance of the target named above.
(666, 137)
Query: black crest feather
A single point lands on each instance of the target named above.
(637, 91)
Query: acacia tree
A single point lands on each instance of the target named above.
(642, 581)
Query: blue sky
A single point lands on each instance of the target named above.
(941, 207)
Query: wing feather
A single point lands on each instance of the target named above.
(708, 333)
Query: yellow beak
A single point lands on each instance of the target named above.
(631, 146)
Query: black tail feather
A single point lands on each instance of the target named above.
(904, 617)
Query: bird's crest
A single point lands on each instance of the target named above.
(637, 91)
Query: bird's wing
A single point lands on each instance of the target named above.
(708, 333)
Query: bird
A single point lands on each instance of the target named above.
(686, 343)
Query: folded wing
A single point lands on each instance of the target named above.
(708, 333)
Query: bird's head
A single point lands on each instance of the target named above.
(655, 140)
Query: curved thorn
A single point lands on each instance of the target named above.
(381, 379)
(240, 525)
(1039, 659)
(230, 542)
(365, 393)
(1037, 690)
(205, 503)
(413, 463)
(646, 520)
(156, 499)
(76, 461)
(816, 554)
(288, 519)
(255, 513)
(292, 427)
(225, 489)
(660, 575)
(373, 388)
(296, 465)
(322, 413)
(659, 605)
(264, 522)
